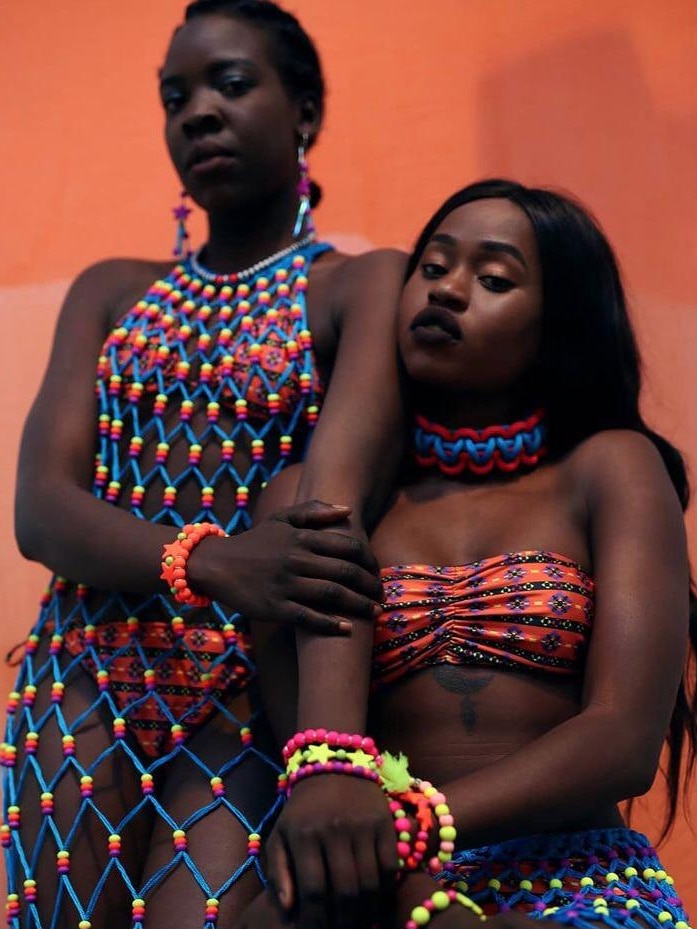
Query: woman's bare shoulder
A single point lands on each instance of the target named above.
(115, 284)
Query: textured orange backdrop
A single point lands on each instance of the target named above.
(595, 96)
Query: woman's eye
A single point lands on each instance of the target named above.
(493, 282)
(235, 86)
(172, 102)
(431, 270)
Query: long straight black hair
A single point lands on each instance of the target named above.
(589, 376)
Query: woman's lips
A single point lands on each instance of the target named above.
(211, 163)
(435, 325)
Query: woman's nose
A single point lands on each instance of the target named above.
(452, 290)
(201, 116)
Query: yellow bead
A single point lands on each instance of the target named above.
(681, 924)
(630, 872)
(632, 904)
(556, 884)
(610, 877)
(649, 873)
(587, 882)
(440, 900)
(550, 910)
(661, 875)
(448, 833)
(420, 915)
(526, 885)
(462, 886)
(494, 884)
(84, 924)
(664, 917)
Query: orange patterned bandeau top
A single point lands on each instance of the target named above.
(528, 610)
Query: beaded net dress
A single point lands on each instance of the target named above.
(205, 390)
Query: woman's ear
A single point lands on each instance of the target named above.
(309, 120)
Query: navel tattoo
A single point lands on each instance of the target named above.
(465, 683)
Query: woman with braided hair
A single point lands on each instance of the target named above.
(137, 783)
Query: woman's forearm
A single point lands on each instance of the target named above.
(586, 764)
(89, 541)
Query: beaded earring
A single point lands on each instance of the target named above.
(303, 223)
(181, 214)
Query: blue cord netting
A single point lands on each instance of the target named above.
(185, 353)
(581, 879)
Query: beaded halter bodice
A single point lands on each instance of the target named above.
(214, 383)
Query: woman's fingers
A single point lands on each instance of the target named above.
(279, 871)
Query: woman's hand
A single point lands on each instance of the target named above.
(332, 852)
(292, 568)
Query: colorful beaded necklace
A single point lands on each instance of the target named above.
(200, 341)
(480, 451)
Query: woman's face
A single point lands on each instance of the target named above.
(231, 128)
(470, 315)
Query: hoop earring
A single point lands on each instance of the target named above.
(304, 224)
(181, 213)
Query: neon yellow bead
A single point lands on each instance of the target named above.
(84, 924)
(681, 924)
(420, 915)
(648, 874)
(440, 900)
(630, 872)
(669, 880)
(448, 833)
(526, 885)
(550, 910)
(664, 917)
(462, 886)
(555, 884)
(661, 875)
(587, 882)
(632, 904)
(494, 884)
(441, 810)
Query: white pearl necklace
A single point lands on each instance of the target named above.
(214, 278)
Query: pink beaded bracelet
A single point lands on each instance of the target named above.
(410, 854)
(330, 767)
(329, 737)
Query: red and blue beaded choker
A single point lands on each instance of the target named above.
(480, 451)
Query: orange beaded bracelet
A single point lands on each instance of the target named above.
(174, 559)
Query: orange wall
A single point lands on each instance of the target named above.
(595, 96)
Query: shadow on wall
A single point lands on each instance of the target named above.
(585, 102)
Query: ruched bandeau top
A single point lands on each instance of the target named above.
(529, 610)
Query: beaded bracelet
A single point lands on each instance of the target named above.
(410, 855)
(174, 559)
(326, 751)
(321, 753)
(400, 785)
(330, 767)
(422, 914)
(330, 737)
(446, 825)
